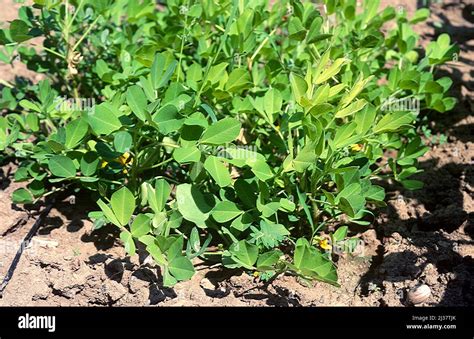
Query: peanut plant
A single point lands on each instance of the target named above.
(237, 131)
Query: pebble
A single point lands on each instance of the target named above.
(419, 294)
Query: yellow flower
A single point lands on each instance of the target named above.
(256, 274)
(324, 244)
(125, 158)
(356, 147)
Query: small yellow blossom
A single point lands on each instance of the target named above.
(125, 158)
(324, 244)
(356, 147)
(256, 274)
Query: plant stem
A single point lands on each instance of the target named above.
(85, 33)
(155, 165)
(259, 48)
(54, 52)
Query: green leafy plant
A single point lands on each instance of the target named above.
(236, 131)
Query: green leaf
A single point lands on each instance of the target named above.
(302, 201)
(33, 122)
(103, 120)
(168, 279)
(375, 193)
(192, 204)
(76, 130)
(162, 193)
(225, 211)
(181, 268)
(260, 168)
(331, 71)
(296, 29)
(153, 249)
(393, 121)
(109, 214)
(62, 166)
(221, 132)
(217, 72)
(187, 154)
(340, 234)
(272, 102)
(30, 105)
(140, 225)
(123, 205)
(22, 196)
(287, 205)
(356, 89)
(168, 119)
(312, 263)
(89, 163)
(22, 174)
(193, 76)
(270, 235)
(365, 119)
(298, 86)
(351, 109)
(420, 15)
(162, 69)
(122, 141)
(305, 158)
(174, 247)
(268, 259)
(218, 171)
(244, 253)
(343, 134)
(19, 31)
(412, 184)
(352, 204)
(137, 101)
(239, 79)
(128, 241)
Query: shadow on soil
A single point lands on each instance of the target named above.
(442, 196)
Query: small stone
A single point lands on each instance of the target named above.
(136, 284)
(207, 285)
(418, 294)
(431, 275)
(465, 250)
(45, 243)
(114, 290)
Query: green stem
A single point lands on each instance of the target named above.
(155, 165)
(69, 24)
(259, 48)
(216, 55)
(85, 33)
(182, 43)
(54, 52)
